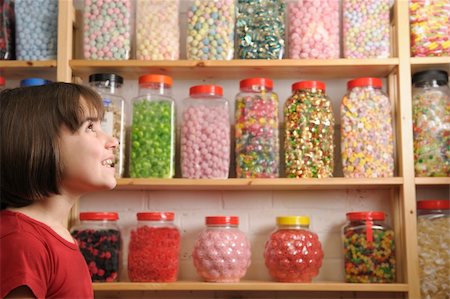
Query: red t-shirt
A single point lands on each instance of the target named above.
(34, 255)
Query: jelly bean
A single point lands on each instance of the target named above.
(7, 30)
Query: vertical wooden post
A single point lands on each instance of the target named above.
(65, 40)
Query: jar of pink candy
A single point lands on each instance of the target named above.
(222, 252)
(293, 253)
(205, 133)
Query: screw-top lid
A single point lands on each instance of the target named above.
(99, 216)
(375, 82)
(293, 220)
(211, 220)
(246, 83)
(153, 78)
(430, 75)
(2, 81)
(370, 215)
(34, 82)
(433, 204)
(209, 89)
(106, 77)
(155, 216)
(308, 85)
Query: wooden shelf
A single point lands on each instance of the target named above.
(427, 63)
(20, 69)
(432, 181)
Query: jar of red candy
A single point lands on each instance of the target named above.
(205, 133)
(100, 242)
(369, 248)
(221, 251)
(256, 130)
(153, 251)
(7, 30)
(293, 252)
(309, 129)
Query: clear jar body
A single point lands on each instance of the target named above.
(7, 28)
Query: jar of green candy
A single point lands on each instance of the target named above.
(153, 129)
(309, 129)
(369, 248)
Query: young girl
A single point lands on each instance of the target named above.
(52, 152)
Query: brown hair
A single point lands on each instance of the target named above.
(30, 124)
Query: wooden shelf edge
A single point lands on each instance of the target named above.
(432, 181)
(429, 60)
(18, 64)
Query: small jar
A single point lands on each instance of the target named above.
(256, 130)
(309, 129)
(222, 252)
(367, 135)
(100, 242)
(153, 129)
(7, 30)
(369, 248)
(154, 248)
(431, 123)
(293, 252)
(113, 123)
(205, 133)
(433, 227)
(34, 82)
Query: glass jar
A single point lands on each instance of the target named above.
(107, 29)
(256, 130)
(100, 242)
(154, 248)
(153, 129)
(430, 27)
(7, 30)
(369, 248)
(260, 29)
(34, 82)
(210, 30)
(433, 227)
(366, 28)
(309, 129)
(367, 137)
(222, 252)
(113, 123)
(313, 29)
(205, 133)
(431, 123)
(157, 30)
(293, 253)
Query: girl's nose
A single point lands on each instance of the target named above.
(112, 142)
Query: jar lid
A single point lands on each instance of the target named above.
(209, 89)
(34, 82)
(99, 216)
(106, 77)
(308, 85)
(365, 215)
(293, 220)
(433, 204)
(222, 220)
(375, 82)
(155, 216)
(430, 75)
(153, 78)
(2, 80)
(267, 83)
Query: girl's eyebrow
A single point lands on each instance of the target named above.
(90, 118)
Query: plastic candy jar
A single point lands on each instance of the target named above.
(153, 129)
(313, 29)
(293, 253)
(366, 28)
(7, 30)
(221, 251)
(100, 242)
(367, 138)
(157, 30)
(260, 29)
(430, 26)
(369, 248)
(309, 129)
(431, 123)
(154, 248)
(113, 123)
(34, 82)
(205, 133)
(210, 30)
(256, 130)
(433, 227)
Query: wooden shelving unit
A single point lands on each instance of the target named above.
(19, 69)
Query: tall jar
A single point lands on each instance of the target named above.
(256, 130)
(309, 129)
(154, 248)
(431, 123)
(205, 133)
(153, 129)
(7, 30)
(313, 29)
(222, 252)
(34, 82)
(369, 248)
(433, 227)
(367, 138)
(36, 29)
(99, 239)
(113, 123)
(293, 253)
(260, 29)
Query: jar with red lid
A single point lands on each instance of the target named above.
(293, 252)
(100, 242)
(369, 248)
(433, 227)
(205, 133)
(153, 251)
(256, 130)
(309, 129)
(2, 83)
(222, 252)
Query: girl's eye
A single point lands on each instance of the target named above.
(91, 126)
